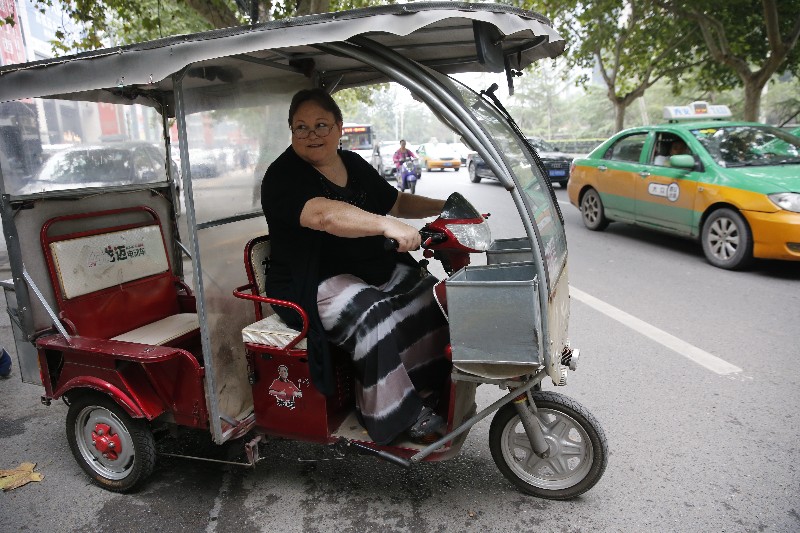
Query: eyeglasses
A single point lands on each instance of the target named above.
(321, 130)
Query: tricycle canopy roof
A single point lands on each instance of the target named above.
(450, 37)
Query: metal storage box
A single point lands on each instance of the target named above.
(514, 250)
(494, 314)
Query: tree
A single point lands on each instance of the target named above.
(128, 21)
(746, 43)
(628, 44)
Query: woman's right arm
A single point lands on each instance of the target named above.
(344, 220)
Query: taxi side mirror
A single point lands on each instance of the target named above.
(682, 161)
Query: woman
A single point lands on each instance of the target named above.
(327, 214)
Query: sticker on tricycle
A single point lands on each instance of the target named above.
(284, 390)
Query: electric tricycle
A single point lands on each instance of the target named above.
(142, 316)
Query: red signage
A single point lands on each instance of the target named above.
(109, 122)
(12, 49)
(354, 129)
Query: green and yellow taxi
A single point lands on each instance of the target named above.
(734, 186)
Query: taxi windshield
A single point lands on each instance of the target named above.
(749, 145)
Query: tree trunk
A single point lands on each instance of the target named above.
(219, 16)
(310, 7)
(752, 100)
(619, 116)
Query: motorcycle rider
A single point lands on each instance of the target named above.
(399, 156)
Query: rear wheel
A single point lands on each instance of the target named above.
(592, 211)
(727, 240)
(115, 450)
(473, 176)
(578, 452)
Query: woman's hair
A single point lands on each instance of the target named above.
(318, 96)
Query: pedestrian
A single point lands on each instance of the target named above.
(5, 363)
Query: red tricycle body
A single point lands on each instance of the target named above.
(125, 221)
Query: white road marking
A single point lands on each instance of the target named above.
(213, 515)
(689, 351)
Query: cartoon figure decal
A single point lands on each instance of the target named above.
(284, 390)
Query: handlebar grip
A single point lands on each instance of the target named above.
(390, 244)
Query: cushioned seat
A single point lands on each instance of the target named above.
(271, 331)
(162, 331)
(117, 282)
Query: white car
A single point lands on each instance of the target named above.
(462, 150)
(382, 158)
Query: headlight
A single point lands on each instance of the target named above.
(474, 236)
(790, 201)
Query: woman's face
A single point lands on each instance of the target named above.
(315, 149)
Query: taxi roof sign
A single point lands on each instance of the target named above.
(696, 111)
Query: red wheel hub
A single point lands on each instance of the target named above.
(106, 443)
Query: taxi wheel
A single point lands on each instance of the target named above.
(727, 240)
(115, 450)
(592, 211)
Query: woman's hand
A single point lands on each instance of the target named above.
(407, 237)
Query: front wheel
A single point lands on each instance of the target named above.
(727, 240)
(473, 175)
(412, 186)
(578, 452)
(592, 211)
(115, 450)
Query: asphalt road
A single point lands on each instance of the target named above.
(692, 371)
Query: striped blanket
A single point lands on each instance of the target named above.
(396, 334)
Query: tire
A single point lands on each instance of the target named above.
(412, 186)
(473, 176)
(592, 211)
(727, 240)
(578, 444)
(133, 455)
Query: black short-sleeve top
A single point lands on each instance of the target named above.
(288, 184)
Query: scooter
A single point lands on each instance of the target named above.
(407, 174)
(546, 444)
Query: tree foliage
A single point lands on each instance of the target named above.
(127, 21)
(704, 46)
(744, 43)
(627, 44)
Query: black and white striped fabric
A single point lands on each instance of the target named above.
(396, 334)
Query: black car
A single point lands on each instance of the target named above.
(556, 163)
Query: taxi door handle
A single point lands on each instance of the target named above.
(644, 173)
(602, 168)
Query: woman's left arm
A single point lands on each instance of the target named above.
(415, 206)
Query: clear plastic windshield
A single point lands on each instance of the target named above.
(527, 176)
(55, 145)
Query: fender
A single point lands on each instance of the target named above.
(123, 399)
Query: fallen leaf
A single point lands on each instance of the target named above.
(22, 475)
